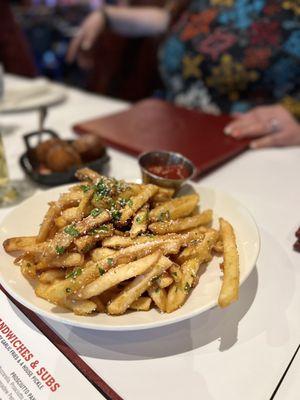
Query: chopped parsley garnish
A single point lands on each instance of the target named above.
(76, 272)
(187, 287)
(164, 216)
(59, 250)
(101, 189)
(85, 188)
(68, 290)
(101, 271)
(142, 218)
(95, 212)
(100, 230)
(110, 261)
(71, 230)
(115, 214)
(123, 202)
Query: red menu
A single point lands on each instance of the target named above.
(158, 125)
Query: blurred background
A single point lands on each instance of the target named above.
(117, 67)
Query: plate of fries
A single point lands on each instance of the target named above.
(107, 254)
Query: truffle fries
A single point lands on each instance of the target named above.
(108, 246)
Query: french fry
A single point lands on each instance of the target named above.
(99, 304)
(191, 257)
(102, 252)
(64, 261)
(194, 235)
(140, 222)
(200, 249)
(118, 274)
(79, 307)
(111, 186)
(182, 224)
(138, 286)
(179, 291)
(134, 252)
(109, 294)
(128, 254)
(51, 275)
(159, 297)
(59, 291)
(131, 190)
(60, 222)
(80, 187)
(28, 269)
(70, 214)
(218, 247)
(87, 174)
(119, 242)
(164, 280)
(48, 222)
(141, 304)
(176, 208)
(163, 194)
(230, 285)
(87, 242)
(15, 246)
(70, 199)
(137, 202)
(175, 272)
(84, 206)
(62, 240)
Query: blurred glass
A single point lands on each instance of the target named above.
(3, 164)
(11, 192)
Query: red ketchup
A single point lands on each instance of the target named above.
(175, 171)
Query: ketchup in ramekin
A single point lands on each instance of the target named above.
(175, 171)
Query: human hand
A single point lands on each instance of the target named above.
(274, 126)
(90, 29)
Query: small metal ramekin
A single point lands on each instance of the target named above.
(159, 157)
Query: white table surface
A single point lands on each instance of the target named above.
(239, 353)
(290, 387)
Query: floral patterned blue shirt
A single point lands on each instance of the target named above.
(231, 55)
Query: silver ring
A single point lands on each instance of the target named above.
(274, 125)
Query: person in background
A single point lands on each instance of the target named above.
(14, 51)
(232, 56)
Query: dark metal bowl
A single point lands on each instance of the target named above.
(30, 164)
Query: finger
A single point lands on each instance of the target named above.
(74, 48)
(234, 126)
(272, 140)
(241, 121)
(254, 128)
